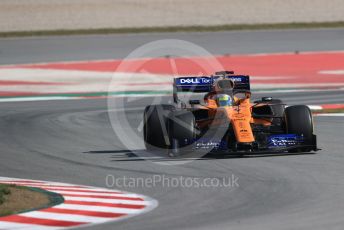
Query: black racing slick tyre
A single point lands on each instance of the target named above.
(299, 121)
(182, 129)
(155, 129)
(182, 126)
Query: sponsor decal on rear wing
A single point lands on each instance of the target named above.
(205, 83)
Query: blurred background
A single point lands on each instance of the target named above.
(27, 15)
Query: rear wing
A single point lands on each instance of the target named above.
(204, 84)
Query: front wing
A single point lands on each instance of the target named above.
(274, 144)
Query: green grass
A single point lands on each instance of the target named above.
(5, 213)
(311, 25)
(13, 201)
(4, 190)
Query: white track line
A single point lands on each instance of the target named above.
(330, 115)
(65, 217)
(109, 201)
(98, 208)
(18, 226)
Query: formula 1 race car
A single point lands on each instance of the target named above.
(224, 120)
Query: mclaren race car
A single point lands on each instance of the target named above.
(225, 120)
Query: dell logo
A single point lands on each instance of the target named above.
(189, 81)
(194, 80)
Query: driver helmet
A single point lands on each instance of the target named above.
(224, 100)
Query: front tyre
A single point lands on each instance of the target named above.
(299, 121)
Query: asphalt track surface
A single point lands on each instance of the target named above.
(73, 142)
(71, 48)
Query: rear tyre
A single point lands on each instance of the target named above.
(299, 121)
(155, 129)
(182, 130)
